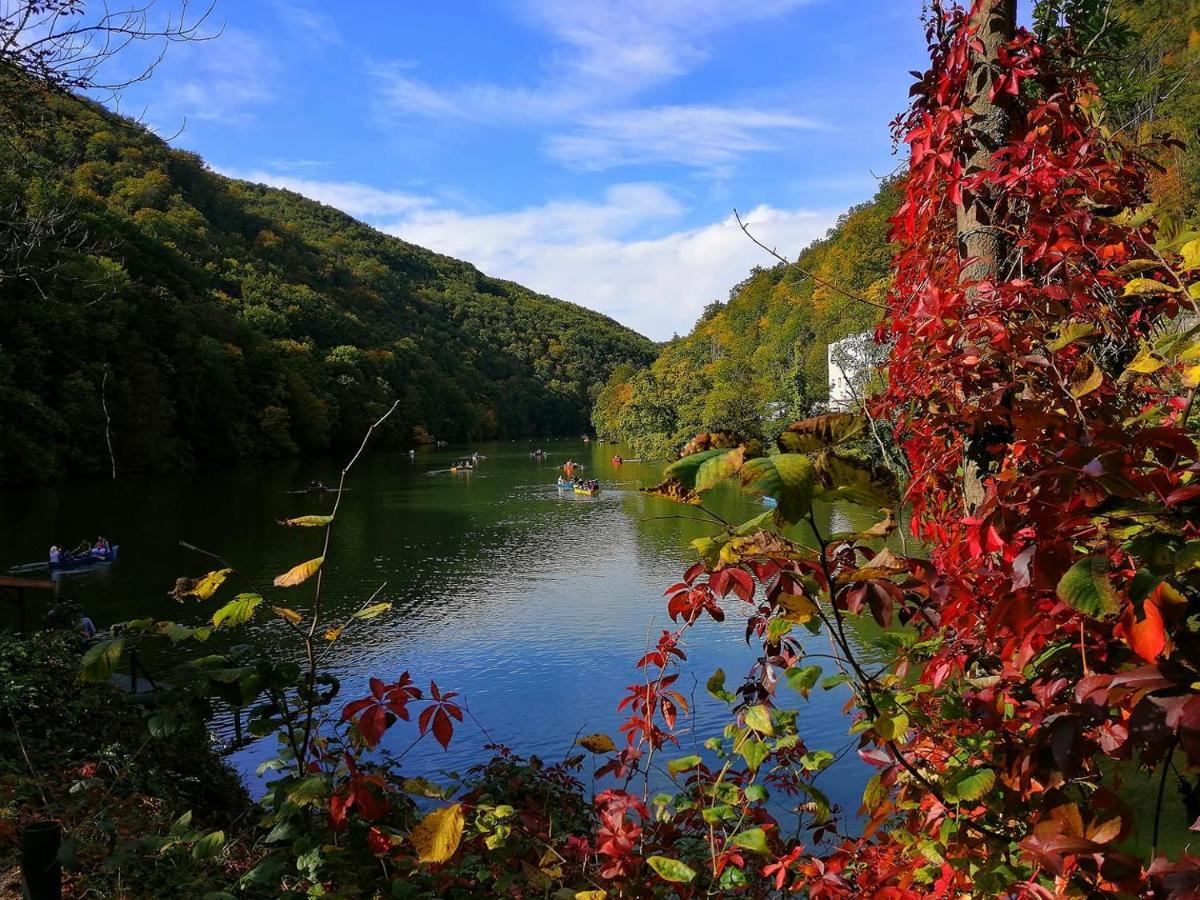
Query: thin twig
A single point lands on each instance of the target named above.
(796, 265)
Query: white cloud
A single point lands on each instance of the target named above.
(580, 252)
(627, 254)
(605, 53)
(352, 197)
(706, 137)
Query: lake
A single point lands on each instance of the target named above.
(533, 603)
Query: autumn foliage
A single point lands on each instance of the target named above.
(1044, 653)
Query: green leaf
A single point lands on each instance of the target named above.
(237, 611)
(715, 470)
(820, 432)
(753, 752)
(371, 612)
(307, 790)
(176, 632)
(1070, 333)
(788, 478)
(970, 784)
(683, 764)
(687, 469)
(755, 793)
(182, 824)
(891, 727)
(751, 839)
(874, 793)
(716, 686)
(100, 660)
(209, 845)
(750, 526)
(759, 718)
(1087, 587)
(816, 760)
(803, 680)
(1188, 557)
(671, 869)
(307, 521)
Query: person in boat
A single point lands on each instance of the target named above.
(55, 555)
(83, 548)
(100, 548)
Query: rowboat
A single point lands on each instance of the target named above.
(591, 492)
(85, 561)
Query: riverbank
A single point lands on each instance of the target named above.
(80, 754)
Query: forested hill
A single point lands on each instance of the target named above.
(220, 320)
(758, 362)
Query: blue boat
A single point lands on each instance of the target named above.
(85, 560)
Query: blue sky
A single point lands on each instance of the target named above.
(591, 150)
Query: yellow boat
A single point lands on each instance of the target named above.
(590, 491)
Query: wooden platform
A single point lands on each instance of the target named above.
(13, 589)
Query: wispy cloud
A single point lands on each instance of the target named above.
(605, 53)
(315, 29)
(225, 79)
(707, 137)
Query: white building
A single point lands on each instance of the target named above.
(851, 361)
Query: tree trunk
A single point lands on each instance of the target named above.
(980, 245)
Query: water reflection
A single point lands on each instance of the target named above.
(534, 603)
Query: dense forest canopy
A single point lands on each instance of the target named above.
(758, 362)
(197, 318)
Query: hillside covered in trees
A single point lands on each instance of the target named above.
(192, 318)
(757, 362)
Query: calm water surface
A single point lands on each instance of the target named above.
(534, 604)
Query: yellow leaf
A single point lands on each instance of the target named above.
(289, 614)
(200, 588)
(332, 634)
(591, 895)
(1138, 286)
(307, 521)
(436, 837)
(797, 608)
(1191, 376)
(300, 573)
(1191, 254)
(597, 743)
(1145, 363)
(1086, 378)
